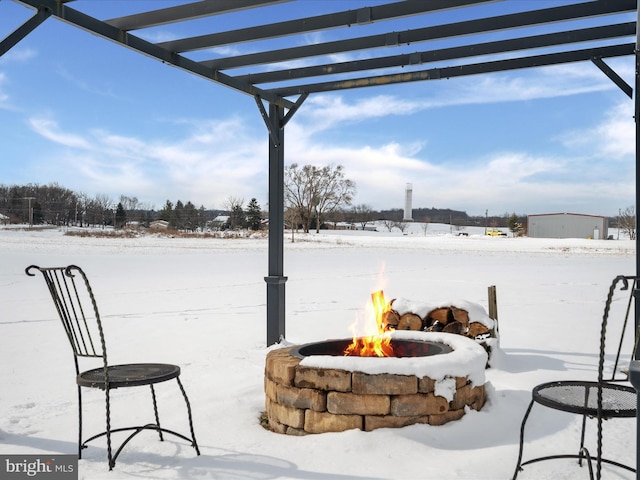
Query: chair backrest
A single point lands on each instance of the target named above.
(76, 306)
(625, 306)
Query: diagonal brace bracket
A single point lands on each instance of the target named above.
(270, 126)
(29, 26)
(613, 76)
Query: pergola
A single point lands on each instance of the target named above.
(432, 40)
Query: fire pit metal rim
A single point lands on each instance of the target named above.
(431, 348)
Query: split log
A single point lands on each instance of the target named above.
(409, 321)
(460, 315)
(454, 327)
(479, 331)
(390, 319)
(440, 315)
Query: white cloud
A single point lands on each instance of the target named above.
(49, 129)
(212, 161)
(4, 97)
(571, 180)
(18, 54)
(157, 36)
(322, 112)
(613, 138)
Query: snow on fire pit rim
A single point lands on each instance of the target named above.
(468, 359)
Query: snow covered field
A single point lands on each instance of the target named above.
(200, 303)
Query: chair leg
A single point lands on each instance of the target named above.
(186, 399)
(108, 431)
(155, 411)
(524, 421)
(79, 422)
(581, 454)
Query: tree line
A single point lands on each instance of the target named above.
(315, 197)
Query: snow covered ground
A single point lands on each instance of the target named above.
(200, 303)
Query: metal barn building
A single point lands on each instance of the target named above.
(567, 225)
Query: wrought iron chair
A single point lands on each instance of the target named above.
(71, 293)
(602, 399)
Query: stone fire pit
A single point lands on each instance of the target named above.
(308, 391)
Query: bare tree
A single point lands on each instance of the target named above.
(100, 209)
(425, 225)
(362, 214)
(402, 226)
(131, 206)
(627, 221)
(292, 217)
(389, 224)
(299, 193)
(237, 217)
(316, 192)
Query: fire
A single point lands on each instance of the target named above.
(377, 345)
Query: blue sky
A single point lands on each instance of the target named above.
(99, 119)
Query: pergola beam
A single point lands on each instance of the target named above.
(450, 30)
(25, 29)
(419, 58)
(460, 70)
(190, 11)
(347, 18)
(109, 32)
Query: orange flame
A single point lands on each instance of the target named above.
(377, 345)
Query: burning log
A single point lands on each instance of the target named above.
(390, 319)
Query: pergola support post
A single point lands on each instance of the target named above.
(275, 120)
(634, 367)
(275, 279)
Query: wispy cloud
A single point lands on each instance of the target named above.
(157, 36)
(613, 138)
(83, 84)
(49, 129)
(569, 180)
(208, 160)
(4, 97)
(18, 54)
(322, 112)
(213, 160)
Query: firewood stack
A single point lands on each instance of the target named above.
(449, 319)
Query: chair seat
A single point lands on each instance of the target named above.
(129, 375)
(582, 398)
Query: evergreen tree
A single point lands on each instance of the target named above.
(254, 215)
(237, 218)
(121, 216)
(178, 216)
(190, 217)
(166, 213)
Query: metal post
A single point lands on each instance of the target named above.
(634, 370)
(276, 279)
(493, 307)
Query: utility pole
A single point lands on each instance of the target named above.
(486, 221)
(30, 210)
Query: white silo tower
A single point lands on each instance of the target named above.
(408, 208)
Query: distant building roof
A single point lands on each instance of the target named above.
(159, 224)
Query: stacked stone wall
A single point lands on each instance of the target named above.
(302, 400)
